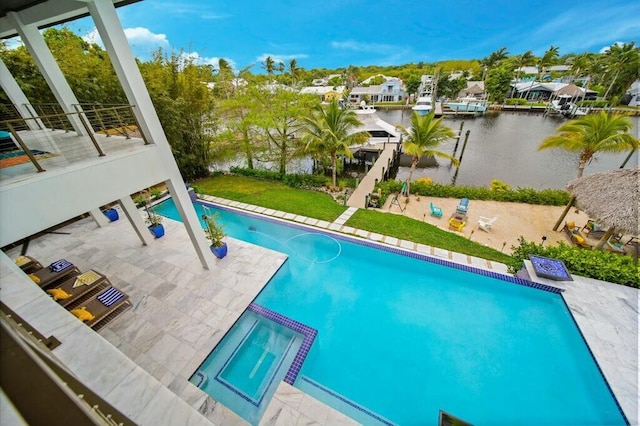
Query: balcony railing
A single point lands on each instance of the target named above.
(41, 132)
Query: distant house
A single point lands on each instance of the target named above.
(544, 91)
(324, 81)
(559, 68)
(527, 70)
(325, 93)
(633, 94)
(426, 84)
(390, 91)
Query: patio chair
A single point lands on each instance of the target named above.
(463, 206)
(456, 224)
(575, 235)
(435, 211)
(82, 286)
(54, 274)
(101, 308)
(27, 263)
(615, 246)
(486, 223)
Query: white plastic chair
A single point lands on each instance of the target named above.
(486, 223)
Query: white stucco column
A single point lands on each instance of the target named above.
(99, 218)
(133, 215)
(42, 56)
(16, 95)
(110, 29)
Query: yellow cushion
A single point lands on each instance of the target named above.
(82, 314)
(87, 278)
(571, 225)
(22, 260)
(34, 278)
(578, 239)
(59, 294)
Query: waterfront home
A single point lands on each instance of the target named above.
(474, 89)
(389, 91)
(633, 94)
(535, 90)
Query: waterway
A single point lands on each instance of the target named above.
(504, 146)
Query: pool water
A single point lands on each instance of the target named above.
(400, 338)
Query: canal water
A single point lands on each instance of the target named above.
(504, 146)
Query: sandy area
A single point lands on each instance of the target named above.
(514, 219)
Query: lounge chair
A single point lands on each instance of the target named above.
(463, 206)
(54, 274)
(486, 223)
(106, 304)
(575, 235)
(28, 264)
(435, 211)
(615, 246)
(82, 286)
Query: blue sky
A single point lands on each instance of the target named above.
(338, 33)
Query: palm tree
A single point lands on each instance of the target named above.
(423, 138)
(622, 58)
(593, 133)
(549, 57)
(293, 70)
(329, 132)
(269, 66)
(523, 60)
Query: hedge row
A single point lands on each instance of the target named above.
(598, 264)
(293, 180)
(594, 104)
(549, 197)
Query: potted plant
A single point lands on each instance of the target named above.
(215, 234)
(111, 214)
(154, 219)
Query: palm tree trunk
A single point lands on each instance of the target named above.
(611, 85)
(334, 165)
(247, 150)
(414, 163)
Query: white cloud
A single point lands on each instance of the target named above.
(281, 58)
(205, 60)
(141, 36)
(362, 46)
(605, 49)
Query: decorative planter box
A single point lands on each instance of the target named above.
(111, 214)
(156, 230)
(219, 252)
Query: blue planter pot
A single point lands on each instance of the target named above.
(111, 214)
(157, 230)
(219, 252)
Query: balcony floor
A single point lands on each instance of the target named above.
(65, 149)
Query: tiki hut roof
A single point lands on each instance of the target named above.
(571, 90)
(610, 198)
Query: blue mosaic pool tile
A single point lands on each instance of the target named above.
(308, 333)
(553, 269)
(403, 252)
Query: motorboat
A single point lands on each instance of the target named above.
(468, 104)
(423, 106)
(563, 105)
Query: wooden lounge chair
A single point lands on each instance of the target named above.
(28, 264)
(463, 206)
(575, 235)
(486, 223)
(84, 286)
(435, 211)
(102, 307)
(456, 224)
(50, 276)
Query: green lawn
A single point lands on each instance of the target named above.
(273, 195)
(420, 232)
(278, 196)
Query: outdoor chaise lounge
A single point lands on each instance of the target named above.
(463, 206)
(103, 306)
(435, 211)
(486, 223)
(28, 264)
(54, 274)
(84, 285)
(575, 235)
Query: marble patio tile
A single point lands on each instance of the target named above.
(287, 416)
(336, 418)
(289, 395)
(271, 414)
(46, 316)
(210, 343)
(306, 421)
(391, 240)
(167, 408)
(313, 409)
(137, 383)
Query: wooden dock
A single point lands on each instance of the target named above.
(359, 197)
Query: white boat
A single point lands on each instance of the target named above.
(423, 106)
(469, 104)
(563, 105)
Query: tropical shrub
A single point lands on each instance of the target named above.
(593, 104)
(292, 180)
(549, 197)
(598, 264)
(499, 186)
(517, 101)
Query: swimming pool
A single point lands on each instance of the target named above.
(400, 338)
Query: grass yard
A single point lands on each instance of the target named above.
(272, 195)
(417, 231)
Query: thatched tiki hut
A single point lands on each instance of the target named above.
(611, 199)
